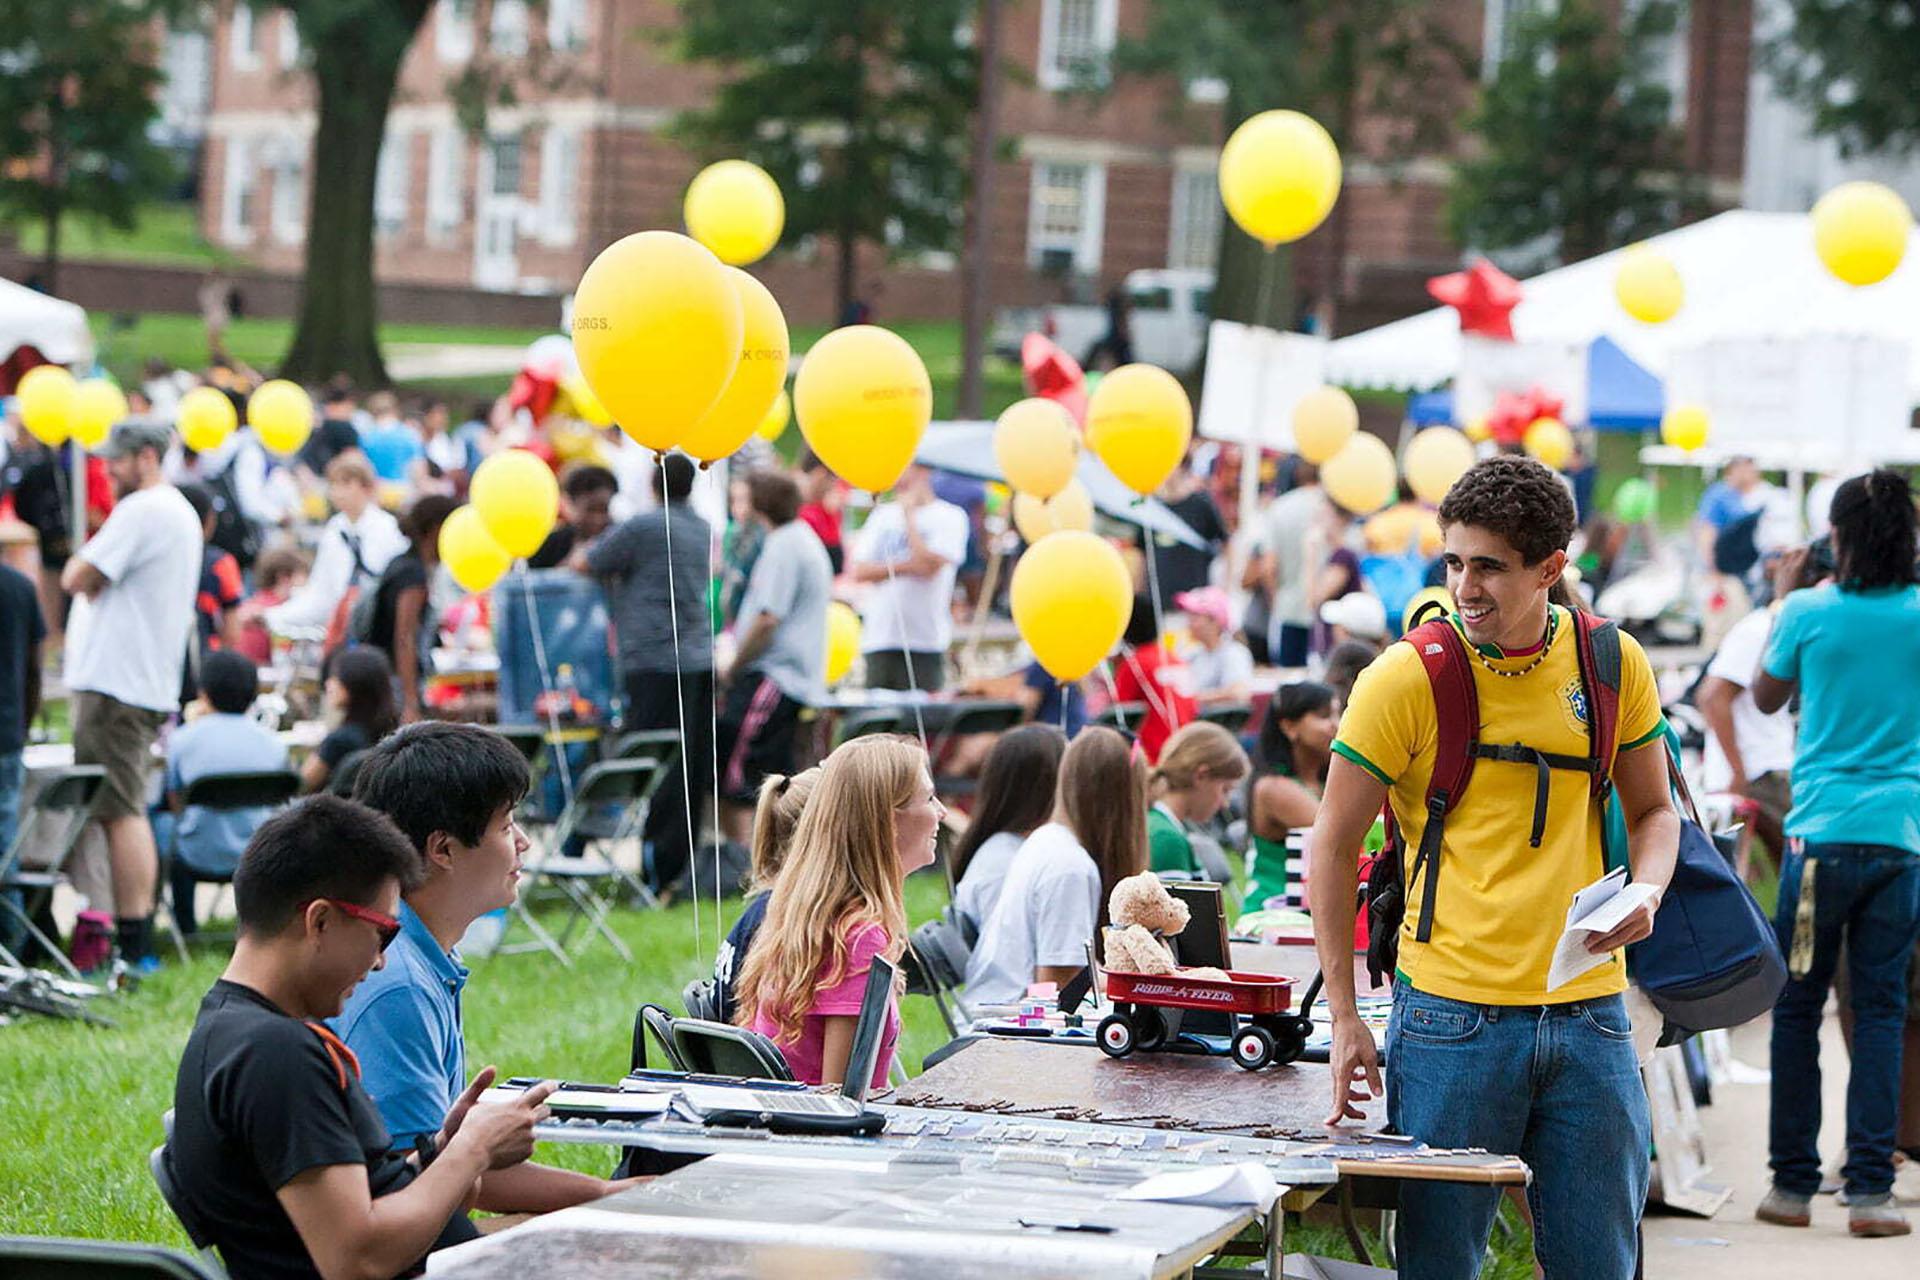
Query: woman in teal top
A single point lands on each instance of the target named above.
(1198, 770)
(1289, 771)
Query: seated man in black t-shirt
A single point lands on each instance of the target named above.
(276, 1148)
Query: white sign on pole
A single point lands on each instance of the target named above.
(1256, 376)
(1489, 366)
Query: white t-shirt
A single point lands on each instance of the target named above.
(1229, 665)
(1049, 906)
(380, 540)
(1766, 741)
(979, 889)
(915, 614)
(1284, 529)
(130, 641)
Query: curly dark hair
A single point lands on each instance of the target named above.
(1874, 531)
(1517, 498)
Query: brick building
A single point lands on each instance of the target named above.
(1093, 186)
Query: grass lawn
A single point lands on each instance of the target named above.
(164, 234)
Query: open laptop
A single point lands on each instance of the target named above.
(870, 1028)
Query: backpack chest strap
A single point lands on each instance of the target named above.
(1543, 763)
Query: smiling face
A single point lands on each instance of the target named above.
(1502, 599)
(488, 873)
(344, 949)
(1314, 731)
(916, 827)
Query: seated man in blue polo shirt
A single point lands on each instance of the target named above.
(452, 789)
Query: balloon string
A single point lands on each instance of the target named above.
(1113, 692)
(680, 709)
(906, 653)
(1153, 588)
(719, 498)
(556, 747)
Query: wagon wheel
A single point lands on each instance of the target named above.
(1150, 1029)
(1252, 1047)
(1289, 1037)
(1116, 1035)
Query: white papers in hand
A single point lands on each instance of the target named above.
(1597, 909)
(1231, 1186)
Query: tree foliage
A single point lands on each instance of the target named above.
(1854, 65)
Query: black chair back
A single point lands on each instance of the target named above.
(265, 789)
(942, 951)
(1233, 718)
(858, 724)
(702, 999)
(653, 1018)
(715, 1048)
(71, 788)
(656, 744)
(48, 1258)
(190, 1222)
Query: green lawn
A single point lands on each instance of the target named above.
(163, 234)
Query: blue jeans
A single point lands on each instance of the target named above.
(1867, 896)
(1556, 1085)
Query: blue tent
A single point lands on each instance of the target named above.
(1621, 396)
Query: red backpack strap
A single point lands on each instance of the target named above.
(1598, 649)
(1456, 708)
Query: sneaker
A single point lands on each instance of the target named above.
(1875, 1217)
(1785, 1209)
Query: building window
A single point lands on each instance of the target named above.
(290, 196)
(243, 38)
(1076, 39)
(1501, 27)
(238, 192)
(505, 154)
(289, 42)
(559, 184)
(1065, 213)
(508, 34)
(453, 30)
(391, 183)
(1193, 236)
(566, 25)
(446, 181)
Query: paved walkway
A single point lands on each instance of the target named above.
(415, 361)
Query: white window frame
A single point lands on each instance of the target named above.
(446, 182)
(559, 184)
(507, 36)
(1087, 240)
(289, 39)
(393, 185)
(239, 182)
(242, 31)
(1186, 201)
(289, 215)
(453, 30)
(566, 25)
(1106, 28)
(1493, 36)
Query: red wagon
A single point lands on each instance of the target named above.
(1147, 1011)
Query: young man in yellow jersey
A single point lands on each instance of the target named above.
(1480, 1052)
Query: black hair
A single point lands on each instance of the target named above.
(438, 776)
(580, 481)
(323, 847)
(808, 462)
(229, 680)
(1273, 750)
(424, 518)
(199, 499)
(1142, 626)
(673, 478)
(367, 677)
(1345, 662)
(1016, 788)
(1517, 499)
(1874, 531)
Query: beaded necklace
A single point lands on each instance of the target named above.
(1546, 646)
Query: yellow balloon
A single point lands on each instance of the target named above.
(863, 399)
(734, 208)
(97, 405)
(49, 398)
(206, 418)
(758, 380)
(585, 405)
(1279, 176)
(1860, 230)
(1071, 508)
(471, 555)
(1323, 421)
(1030, 517)
(1684, 427)
(1072, 596)
(1139, 421)
(1648, 286)
(1037, 445)
(843, 640)
(657, 329)
(1361, 476)
(1549, 440)
(1479, 431)
(281, 415)
(1422, 607)
(517, 499)
(1435, 459)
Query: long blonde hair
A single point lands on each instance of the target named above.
(775, 816)
(842, 871)
(1103, 797)
(1200, 745)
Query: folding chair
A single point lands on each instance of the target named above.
(48, 1258)
(224, 793)
(937, 957)
(1232, 717)
(652, 1018)
(858, 724)
(160, 1163)
(623, 785)
(1123, 715)
(966, 720)
(718, 1049)
(702, 1000)
(61, 808)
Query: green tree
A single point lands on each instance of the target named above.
(78, 80)
(1575, 148)
(858, 108)
(1853, 64)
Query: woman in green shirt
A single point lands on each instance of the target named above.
(1289, 771)
(1198, 770)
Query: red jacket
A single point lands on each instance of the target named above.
(1146, 674)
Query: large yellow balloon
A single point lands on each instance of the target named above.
(206, 418)
(471, 555)
(1037, 445)
(1684, 427)
(1361, 476)
(657, 329)
(758, 380)
(734, 208)
(97, 405)
(1860, 230)
(843, 640)
(1435, 459)
(1279, 176)
(1072, 596)
(49, 398)
(1549, 440)
(517, 499)
(863, 399)
(1139, 421)
(1323, 421)
(281, 415)
(1071, 508)
(774, 424)
(1648, 286)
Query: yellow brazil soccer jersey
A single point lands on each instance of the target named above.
(1501, 904)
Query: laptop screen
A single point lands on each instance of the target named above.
(869, 1029)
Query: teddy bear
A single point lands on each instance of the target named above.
(1144, 913)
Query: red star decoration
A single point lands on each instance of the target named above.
(1513, 413)
(1484, 295)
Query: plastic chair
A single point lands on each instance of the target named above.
(50, 1258)
(224, 793)
(715, 1048)
(64, 805)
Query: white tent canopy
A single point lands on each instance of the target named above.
(57, 330)
(1747, 275)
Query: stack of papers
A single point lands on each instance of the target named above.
(1231, 1186)
(1598, 909)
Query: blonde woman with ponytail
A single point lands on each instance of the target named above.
(775, 816)
(1198, 770)
(871, 820)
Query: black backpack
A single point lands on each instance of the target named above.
(232, 531)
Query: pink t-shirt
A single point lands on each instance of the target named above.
(840, 999)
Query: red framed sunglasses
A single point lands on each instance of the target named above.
(386, 925)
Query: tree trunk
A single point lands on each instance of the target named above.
(356, 65)
(976, 262)
(50, 261)
(847, 242)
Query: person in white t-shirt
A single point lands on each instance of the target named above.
(909, 551)
(135, 582)
(1219, 667)
(356, 545)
